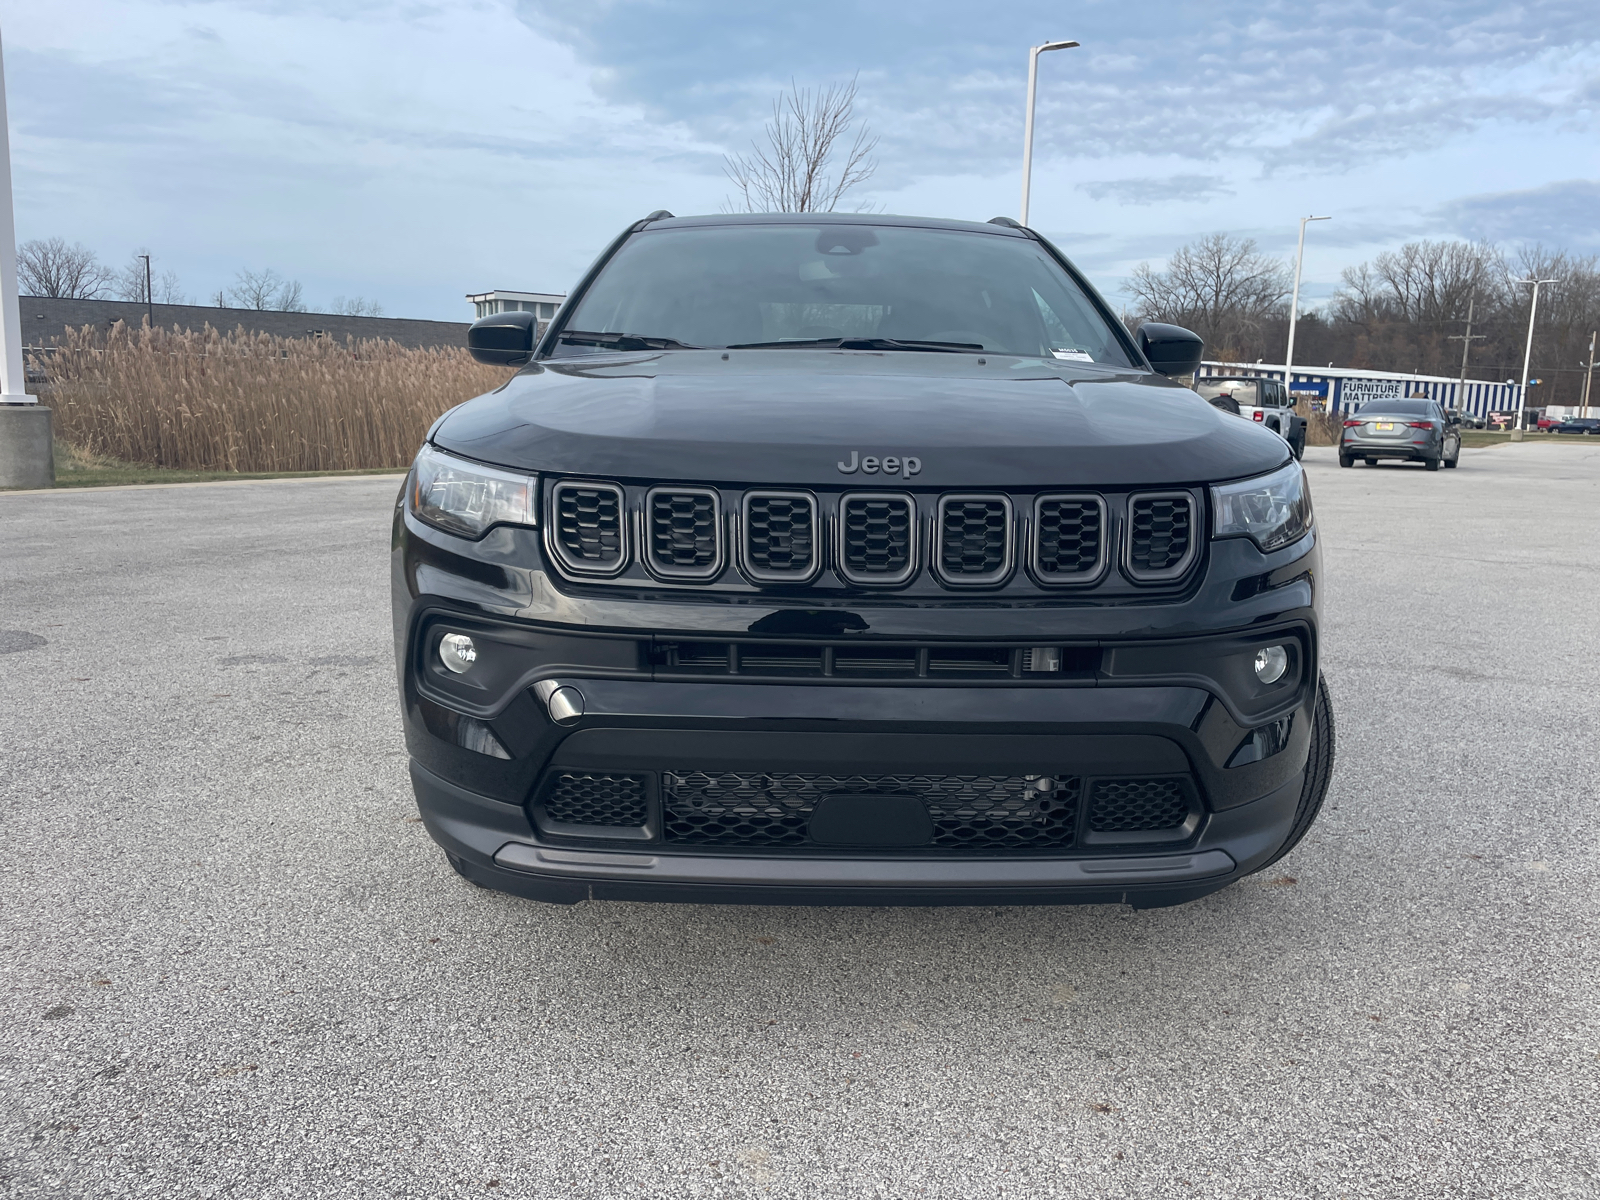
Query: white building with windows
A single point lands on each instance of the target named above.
(542, 305)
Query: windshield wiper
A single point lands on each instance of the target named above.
(622, 341)
(860, 344)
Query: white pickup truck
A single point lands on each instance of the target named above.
(1262, 400)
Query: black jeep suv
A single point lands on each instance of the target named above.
(855, 560)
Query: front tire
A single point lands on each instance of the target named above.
(1319, 772)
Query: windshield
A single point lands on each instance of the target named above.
(790, 284)
(1398, 408)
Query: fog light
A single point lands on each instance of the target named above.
(457, 653)
(1271, 663)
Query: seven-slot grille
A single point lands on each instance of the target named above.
(974, 539)
(780, 537)
(1069, 538)
(682, 533)
(1160, 534)
(877, 538)
(588, 534)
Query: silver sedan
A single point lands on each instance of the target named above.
(1414, 430)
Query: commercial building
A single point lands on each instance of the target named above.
(542, 305)
(45, 318)
(1341, 389)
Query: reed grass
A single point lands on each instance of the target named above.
(248, 402)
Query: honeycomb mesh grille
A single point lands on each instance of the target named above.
(589, 524)
(1160, 533)
(683, 531)
(577, 798)
(779, 535)
(878, 535)
(1124, 805)
(969, 812)
(974, 536)
(1070, 533)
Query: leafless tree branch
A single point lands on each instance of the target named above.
(50, 267)
(797, 171)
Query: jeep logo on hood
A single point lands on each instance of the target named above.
(890, 464)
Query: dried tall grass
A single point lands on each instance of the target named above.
(1322, 428)
(251, 402)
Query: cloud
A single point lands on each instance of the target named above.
(1155, 190)
(1557, 215)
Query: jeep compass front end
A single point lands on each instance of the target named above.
(855, 559)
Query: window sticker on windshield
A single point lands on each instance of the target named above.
(1073, 355)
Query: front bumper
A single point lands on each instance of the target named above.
(1241, 814)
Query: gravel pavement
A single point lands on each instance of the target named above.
(235, 966)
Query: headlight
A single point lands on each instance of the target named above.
(1273, 510)
(465, 498)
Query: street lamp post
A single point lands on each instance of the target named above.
(149, 295)
(1588, 373)
(1527, 355)
(26, 459)
(1027, 127)
(1294, 308)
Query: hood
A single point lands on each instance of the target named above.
(795, 417)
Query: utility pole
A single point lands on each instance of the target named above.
(1589, 372)
(1527, 356)
(1027, 125)
(1294, 309)
(149, 295)
(1466, 339)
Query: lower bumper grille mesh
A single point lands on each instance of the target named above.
(969, 812)
(1128, 805)
(580, 798)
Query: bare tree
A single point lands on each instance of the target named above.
(265, 290)
(50, 267)
(796, 171)
(131, 283)
(357, 306)
(1219, 286)
(1422, 282)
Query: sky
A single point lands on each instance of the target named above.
(413, 152)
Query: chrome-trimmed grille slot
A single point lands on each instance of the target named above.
(877, 538)
(683, 532)
(1161, 538)
(589, 532)
(875, 660)
(974, 540)
(1069, 538)
(780, 542)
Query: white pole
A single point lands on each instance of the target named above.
(13, 377)
(1027, 122)
(1527, 355)
(1294, 308)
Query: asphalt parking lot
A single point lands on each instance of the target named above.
(234, 964)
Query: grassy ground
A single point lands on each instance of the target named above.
(77, 469)
(1484, 437)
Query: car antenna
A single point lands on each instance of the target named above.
(1007, 222)
(660, 214)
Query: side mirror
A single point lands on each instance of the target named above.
(1171, 350)
(504, 339)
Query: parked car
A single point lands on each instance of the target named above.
(1261, 400)
(1465, 419)
(854, 559)
(1413, 430)
(1546, 424)
(1589, 425)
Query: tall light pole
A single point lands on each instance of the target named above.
(26, 458)
(1294, 308)
(1588, 373)
(149, 294)
(1027, 129)
(1527, 355)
